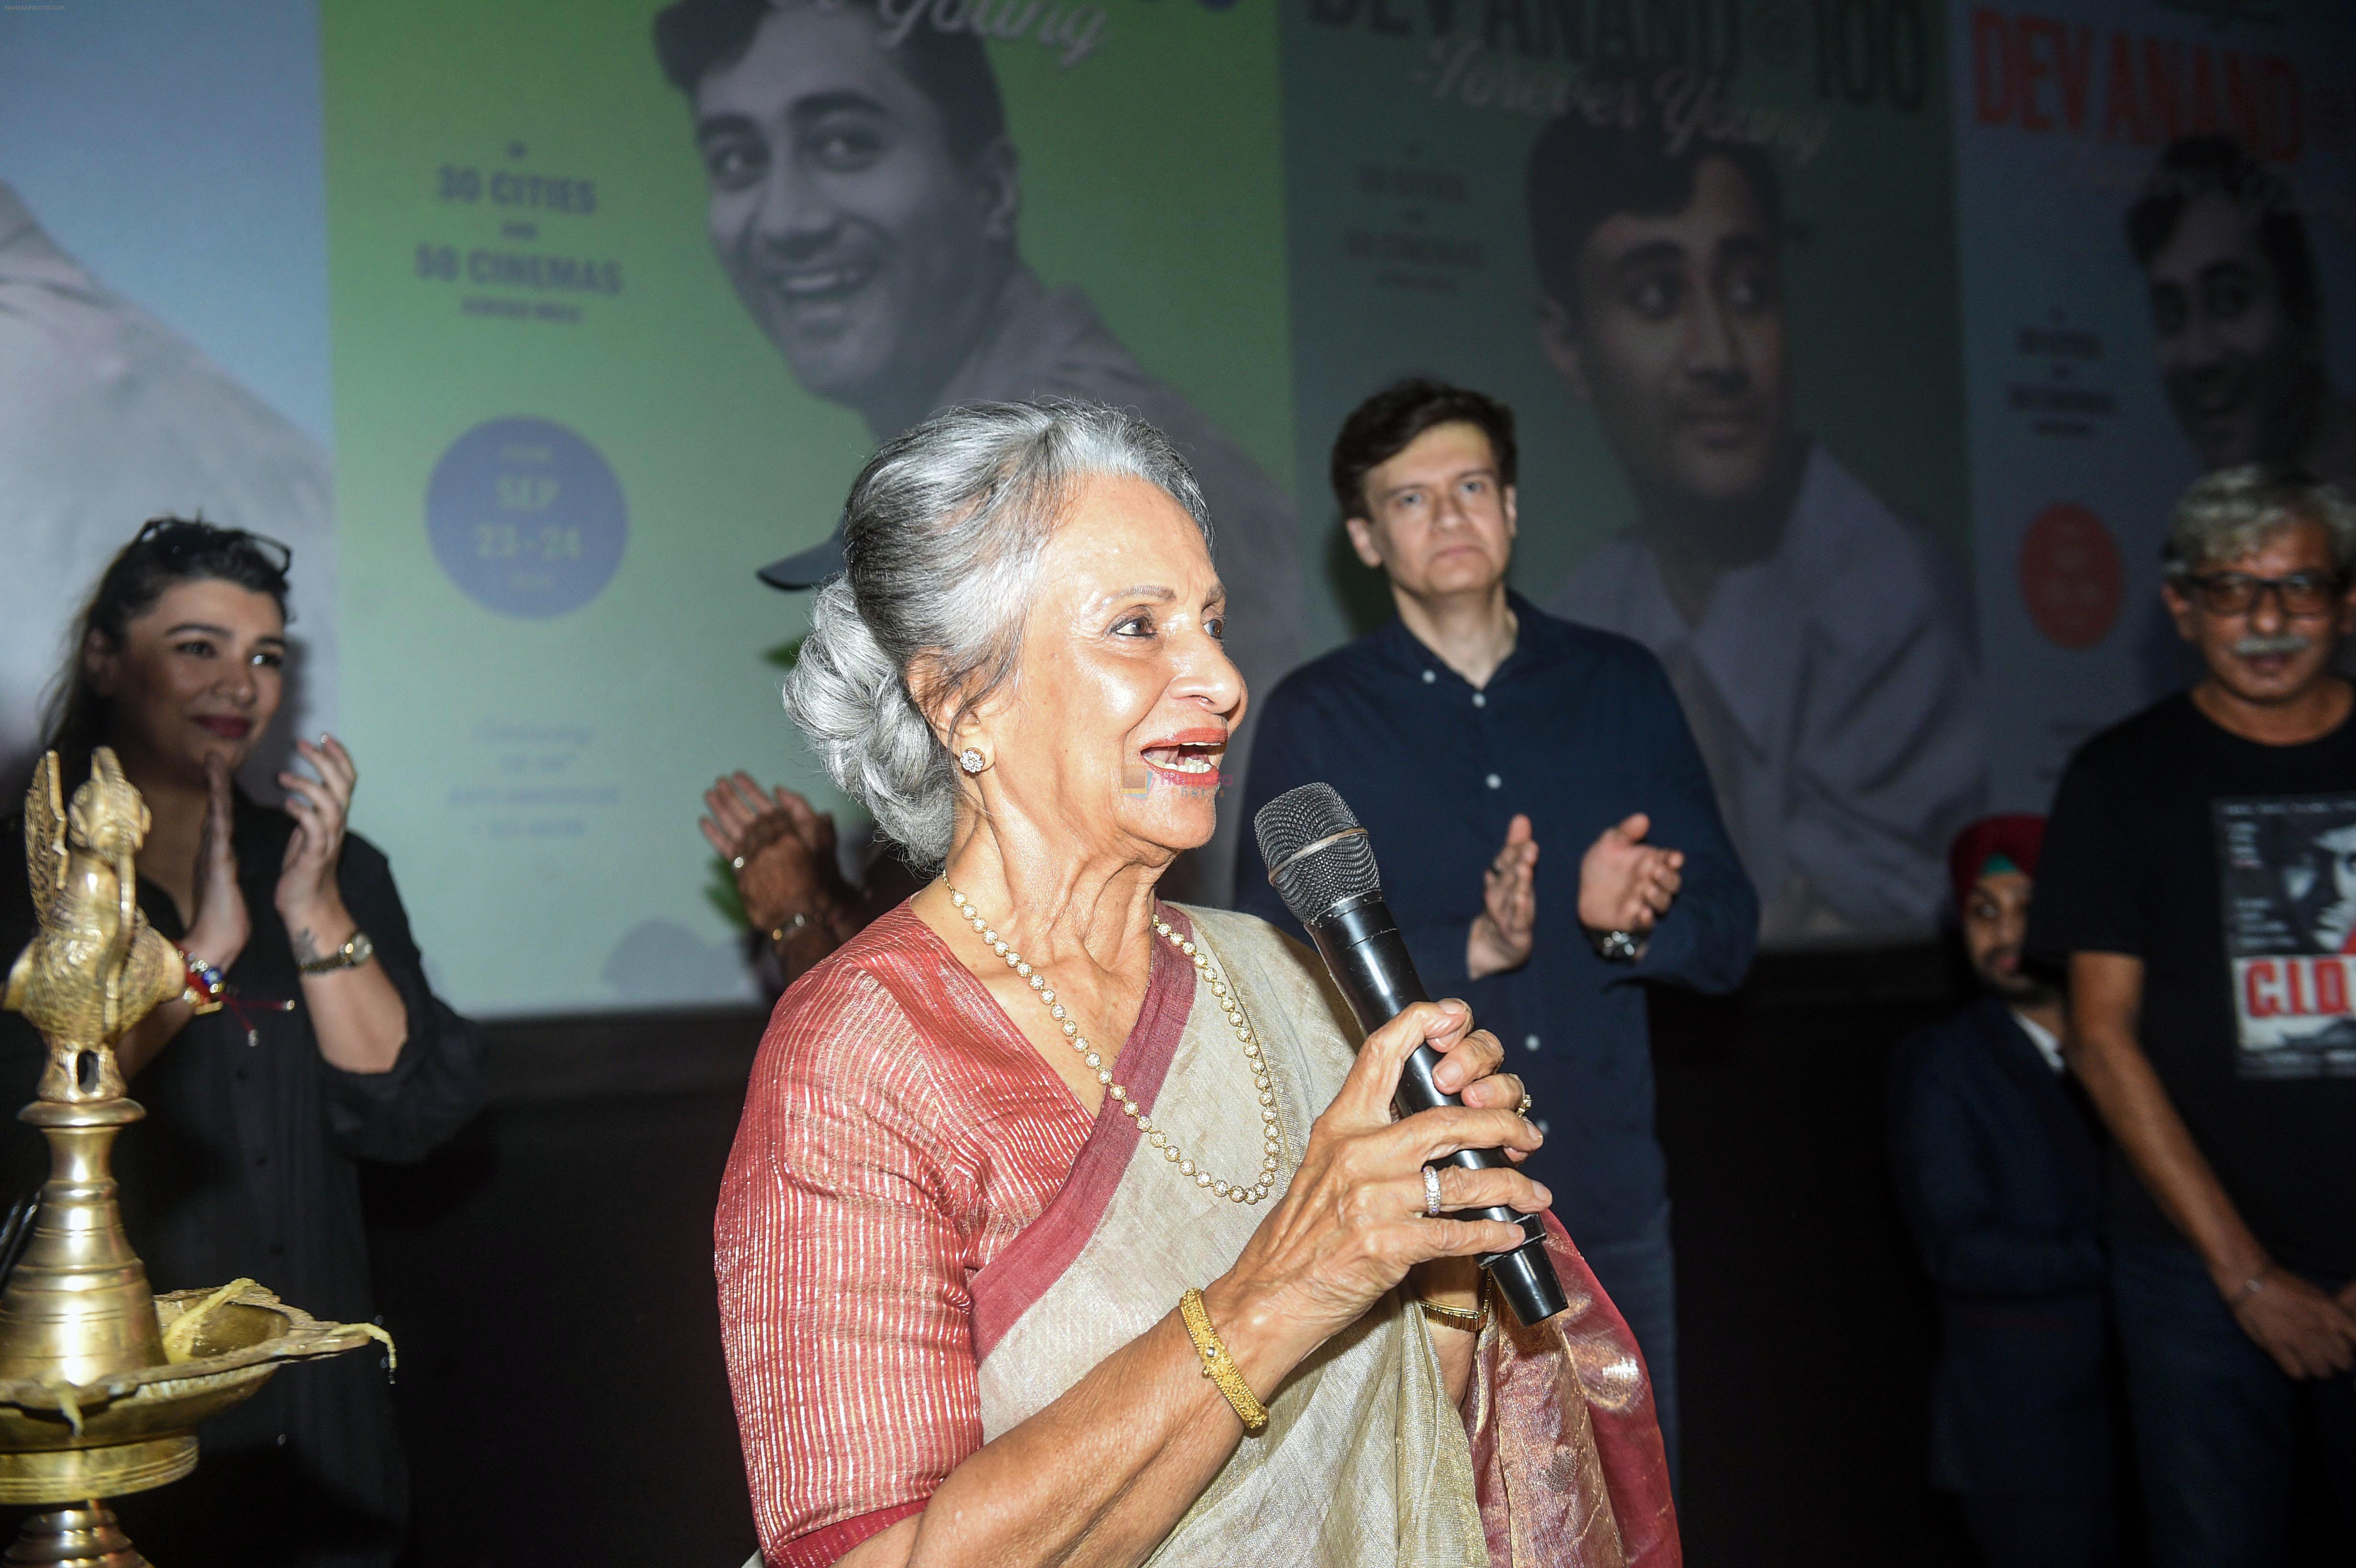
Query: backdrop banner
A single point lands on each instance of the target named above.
(617, 328)
(1707, 250)
(2106, 370)
(162, 317)
(1859, 348)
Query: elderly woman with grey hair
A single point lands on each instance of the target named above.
(1064, 1226)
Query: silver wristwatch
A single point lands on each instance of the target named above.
(355, 951)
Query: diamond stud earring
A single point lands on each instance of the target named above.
(970, 760)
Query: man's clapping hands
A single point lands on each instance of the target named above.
(1625, 884)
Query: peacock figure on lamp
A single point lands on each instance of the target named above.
(81, 864)
(102, 1383)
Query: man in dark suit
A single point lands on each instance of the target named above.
(1998, 1170)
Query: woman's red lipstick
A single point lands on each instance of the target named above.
(1195, 746)
(228, 726)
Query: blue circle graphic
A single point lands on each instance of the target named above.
(526, 518)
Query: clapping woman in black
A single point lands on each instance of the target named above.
(330, 1047)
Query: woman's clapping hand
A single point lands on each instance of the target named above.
(220, 927)
(309, 899)
(1353, 1223)
(780, 848)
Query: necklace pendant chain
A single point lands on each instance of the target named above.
(1231, 1004)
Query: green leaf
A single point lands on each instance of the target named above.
(719, 888)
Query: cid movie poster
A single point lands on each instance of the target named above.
(2287, 870)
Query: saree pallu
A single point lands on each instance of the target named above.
(1555, 1459)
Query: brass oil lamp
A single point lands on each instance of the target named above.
(102, 1382)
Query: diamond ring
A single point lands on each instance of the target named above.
(1431, 1193)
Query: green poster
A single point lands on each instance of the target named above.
(603, 347)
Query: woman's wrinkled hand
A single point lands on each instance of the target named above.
(780, 848)
(1353, 1223)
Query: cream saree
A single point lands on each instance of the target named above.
(1365, 1461)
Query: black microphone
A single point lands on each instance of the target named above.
(1324, 867)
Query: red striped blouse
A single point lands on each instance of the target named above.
(898, 1133)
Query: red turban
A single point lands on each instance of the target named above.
(2014, 839)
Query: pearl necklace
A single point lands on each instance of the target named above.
(1230, 1003)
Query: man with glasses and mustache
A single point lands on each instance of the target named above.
(865, 198)
(2196, 1008)
(1821, 645)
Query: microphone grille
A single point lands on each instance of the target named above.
(1314, 884)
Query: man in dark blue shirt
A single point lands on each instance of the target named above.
(1466, 735)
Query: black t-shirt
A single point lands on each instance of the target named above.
(2229, 868)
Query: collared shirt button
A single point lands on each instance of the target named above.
(1429, 677)
(1529, 1042)
(1480, 699)
(1493, 782)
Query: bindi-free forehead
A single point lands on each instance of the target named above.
(1724, 215)
(2298, 545)
(807, 61)
(2209, 234)
(210, 606)
(1440, 455)
(1123, 538)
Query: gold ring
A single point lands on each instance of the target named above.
(1524, 1108)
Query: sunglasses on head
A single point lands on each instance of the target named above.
(179, 538)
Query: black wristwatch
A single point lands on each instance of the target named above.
(1618, 946)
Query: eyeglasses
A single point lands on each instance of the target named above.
(178, 538)
(2237, 592)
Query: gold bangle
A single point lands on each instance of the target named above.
(1471, 1319)
(1217, 1365)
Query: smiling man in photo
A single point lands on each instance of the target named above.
(864, 201)
(2237, 312)
(1819, 643)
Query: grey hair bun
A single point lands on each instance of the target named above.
(942, 536)
(849, 698)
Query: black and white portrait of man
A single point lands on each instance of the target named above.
(865, 200)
